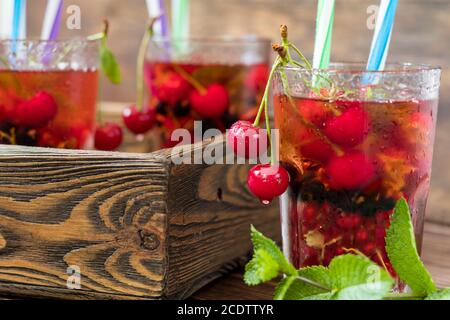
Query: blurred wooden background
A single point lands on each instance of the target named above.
(420, 35)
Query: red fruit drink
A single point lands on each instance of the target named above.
(227, 93)
(351, 156)
(48, 108)
(213, 80)
(48, 92)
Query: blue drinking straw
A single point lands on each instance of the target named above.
(382, 35)
(18, 19)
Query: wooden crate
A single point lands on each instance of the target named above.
(136, 225)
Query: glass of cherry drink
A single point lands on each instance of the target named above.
(354, 142)
(214, 80)
(48, 92)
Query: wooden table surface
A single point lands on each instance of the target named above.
(436, 255)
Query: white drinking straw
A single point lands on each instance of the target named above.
(156, 9)
(52, 20)
(324, 31)
(6, 18)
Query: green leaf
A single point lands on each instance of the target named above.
(109, 64)
(293, 288)
(402, 252)
(322, 296)
(358, 278)
(443, 294)
(261, 268)
(264, 243)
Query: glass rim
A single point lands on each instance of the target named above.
(57, 41)
(346, 68)
(245, 39)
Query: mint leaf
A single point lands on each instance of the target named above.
(109, 63)
(358, 278)
(261, 268)
(322, 296)
(402, 252)
(268, 245)
(294, 288)
(443, 294)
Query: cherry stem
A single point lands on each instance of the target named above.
(313, 283)
(140, 66)
(191, 80)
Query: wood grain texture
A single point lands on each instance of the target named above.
(136, 225)
(93, 210)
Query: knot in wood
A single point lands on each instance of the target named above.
(149, 240)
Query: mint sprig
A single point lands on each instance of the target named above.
(402, 252)
(348, 277)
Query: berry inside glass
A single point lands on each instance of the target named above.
(216, 81)
(48, 93)
(354, 144)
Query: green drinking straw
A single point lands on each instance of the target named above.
(180, 19)
(324, 31)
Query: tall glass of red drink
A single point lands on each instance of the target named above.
(354, 143)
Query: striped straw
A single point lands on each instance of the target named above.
(324, 32)
(6, 18)
(382, 36)
(52, 20)
(180, 19)
(156, 8)
(19, 20)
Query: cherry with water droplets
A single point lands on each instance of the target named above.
(108, 137)
(267, 181)
(247, 140)
(139, 122)
(212, 103)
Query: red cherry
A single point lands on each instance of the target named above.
(380, 234)
(174, 88)
(369, 249)
(313, 147)
(257, 77)
(36, 112)
(139, 122)
(108, 137)
(350, 128)
(350, 171)
(267, 181)
(48, 138)
(313, 111)
(309, 212)
(345, 222)
(211, 104)
(339, 251)
(362, 235)
(356, 220)
(245, 139)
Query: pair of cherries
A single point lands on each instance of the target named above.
(265, 181)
